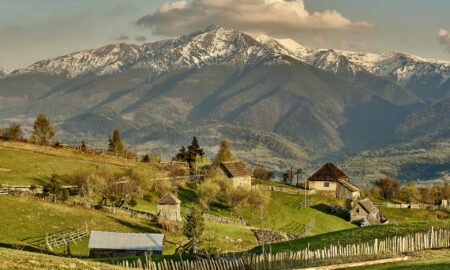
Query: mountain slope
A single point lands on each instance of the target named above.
(413, 75)
(278, 102)
(3, 72)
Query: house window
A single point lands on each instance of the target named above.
(326, 184)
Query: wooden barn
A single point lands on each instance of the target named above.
(111, 244)
(237, 172)
(346, 190)
(366, 213)
(329, 180)
(169, 207)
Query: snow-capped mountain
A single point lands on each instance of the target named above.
(214, 45)
(405, 69)
(3, 72)
(220, 45)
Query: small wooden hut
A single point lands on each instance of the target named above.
(112, 244)
(169, 207)
(366, 213)
(237, 172)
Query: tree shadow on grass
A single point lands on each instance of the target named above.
(326, 209)
(135, 227)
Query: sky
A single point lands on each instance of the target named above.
(34, 30)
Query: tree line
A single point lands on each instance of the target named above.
(390, 189)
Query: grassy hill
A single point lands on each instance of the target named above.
(17, 259)
(428, 259)
(355, 235)
(32, 164)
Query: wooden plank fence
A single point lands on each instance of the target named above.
(287, 260)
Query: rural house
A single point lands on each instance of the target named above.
(237, 172)
(111, 244)
(169, 207)
(366, 213)
(331, 181)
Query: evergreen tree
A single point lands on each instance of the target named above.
(193, 228)
(224, 153)
(181, 155)
(115, 144)
(43, 130)
(194, 150)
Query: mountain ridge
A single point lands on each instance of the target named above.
(276, 108)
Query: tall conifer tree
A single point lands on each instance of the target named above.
(224, 153)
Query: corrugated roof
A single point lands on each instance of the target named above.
(348, 185)
(329, 172)
(126, 241)
(169, 199)
(235, 168)
(368, 205)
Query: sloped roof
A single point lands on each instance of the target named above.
(169, 199)
(126, 241)
(235, 168)
(368, 205)
(348, 185)
(329, 172)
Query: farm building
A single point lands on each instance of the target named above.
(237, 172)
(169, 207)
(331, 181)
(366, 213)
(346, 190)
(111, 244)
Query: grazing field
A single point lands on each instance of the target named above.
(423, 260)
(18, 259)
(404, 215)
(355, 235)
(26, 168)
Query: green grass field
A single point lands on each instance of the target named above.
(28, 168)
(423, 260)
(17, 259)
(355, 235)
(404, 215)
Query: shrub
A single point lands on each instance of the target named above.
(206, 193)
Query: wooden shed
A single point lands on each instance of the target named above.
(325, 180)
(366, 213)
(169, 207)
(112, 244)
(237, 172)
(346, 190)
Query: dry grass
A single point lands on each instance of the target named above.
(16, 259)
(69, 153)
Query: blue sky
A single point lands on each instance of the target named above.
(39, 29)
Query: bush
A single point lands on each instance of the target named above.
(206, 193)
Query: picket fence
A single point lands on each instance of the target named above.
(287, 260)
(225, 220)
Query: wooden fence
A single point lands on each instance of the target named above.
(225, 220)
(288, 260)
(412, 206)
(60, 239)
(286, 190)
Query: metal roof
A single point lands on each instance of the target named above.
(126, 241)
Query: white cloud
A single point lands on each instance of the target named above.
(444, 37)
(273, 17)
